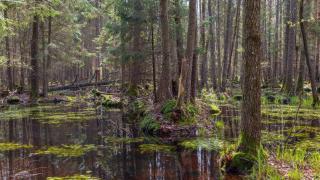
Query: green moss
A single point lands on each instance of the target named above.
(67, 150)
(74, 177)
(13, 146)
(209, 144)
(149, 125)
(149, 148)
(290, 112)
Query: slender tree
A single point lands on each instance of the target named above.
(34, 74)
(227, 42)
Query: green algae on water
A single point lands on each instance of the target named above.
(149, 148)
(74, 177)
(67, 150)
(125, 140)
(13, 146)
(209, 144)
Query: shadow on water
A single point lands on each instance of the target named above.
(117, 152)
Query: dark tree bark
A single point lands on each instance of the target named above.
(290, 46)
(164, 92)
(34, 74)
(179, 34)
(251, 105)
(135, 67)
(306, 52)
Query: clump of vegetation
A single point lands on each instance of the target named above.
(168, 107)
(150, 148)
(112, 103)
(137, 109)
(295, 174)
(13, 146)
(74, 177)
(240, 163)
(209, 144)
(67, 150)
(214, 109)
(149, 125)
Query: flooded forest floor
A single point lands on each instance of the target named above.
(92, 134)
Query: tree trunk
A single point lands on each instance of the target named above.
(164, 92)
(212, 46)
(227, 45)
(34, 74)
(300, 81)
(219, 69)
(194, 70)
(8, 54)
(234, 38)
(291, 46)
(306, 52)
(186, 62)
(204, 60)
(179, 34)
(251, 105)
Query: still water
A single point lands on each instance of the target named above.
(116, 146)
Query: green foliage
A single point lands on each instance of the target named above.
(75, 150)
(214, 109)
(13, 146)
(168, 106)
(295, 174)
(149, 125)
(219, 124)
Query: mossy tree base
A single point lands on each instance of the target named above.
(240, 164)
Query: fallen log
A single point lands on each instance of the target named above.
(76, 86)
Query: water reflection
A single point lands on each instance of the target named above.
(110, 161)
(121, 160)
